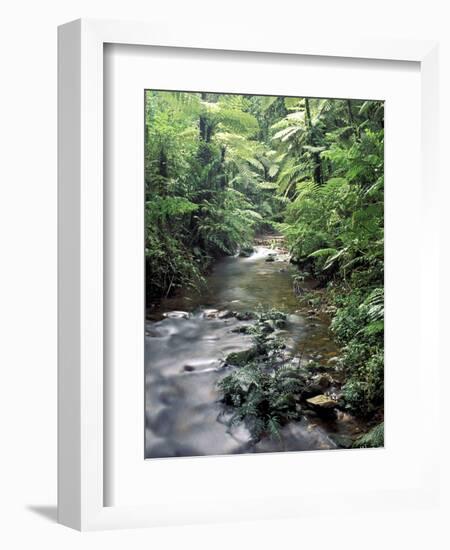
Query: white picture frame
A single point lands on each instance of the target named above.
(82, 483)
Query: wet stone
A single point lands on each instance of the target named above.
(240, 358)
(246, 252)
(176, 315)
(322, 402)
(211, 313)
(243, 329)
(342, 441)
(226, 314)
(245, 316)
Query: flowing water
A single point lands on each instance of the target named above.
(186, 345)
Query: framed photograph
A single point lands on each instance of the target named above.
(235, 322)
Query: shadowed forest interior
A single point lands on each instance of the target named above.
(264, 246)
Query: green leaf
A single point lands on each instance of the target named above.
(323, 252)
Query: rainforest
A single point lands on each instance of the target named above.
(264, 258)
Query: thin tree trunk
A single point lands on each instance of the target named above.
(204, 127)
(352, 119)
(308, 114)
(205, 133)
(317, 171)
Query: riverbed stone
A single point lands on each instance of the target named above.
(176, 315)
(225, 314)
(322, 380)
(322, 401)
(268, 326)
(311, 390)
(245, 316)
(342, 441)
(210, 313)
(243, 329)
(241, 358)
(246, 252)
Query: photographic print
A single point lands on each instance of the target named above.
(264, 258)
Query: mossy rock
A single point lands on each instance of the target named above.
(241, 358)
(322, 402)
(272, 315)
(342, 441)
(268, 326)
(246, 251)
(225, 314)
(243, 329)
(245, 316)
(311, 390)
(323, 405)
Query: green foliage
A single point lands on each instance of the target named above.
(373, 438)
(225, 222)
(359, 326)
(263, 393)
(170, 263)
(264, 400)
(208, 184)
(333, 175)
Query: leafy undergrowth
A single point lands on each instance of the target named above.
(373, 438)
(358, 327)
(264, 400)
(264, 392)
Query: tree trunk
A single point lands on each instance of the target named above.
(205, 133)
(317, 170)
(352, 119)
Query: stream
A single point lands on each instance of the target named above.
(185, 347)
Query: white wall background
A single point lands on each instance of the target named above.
(28, 271)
